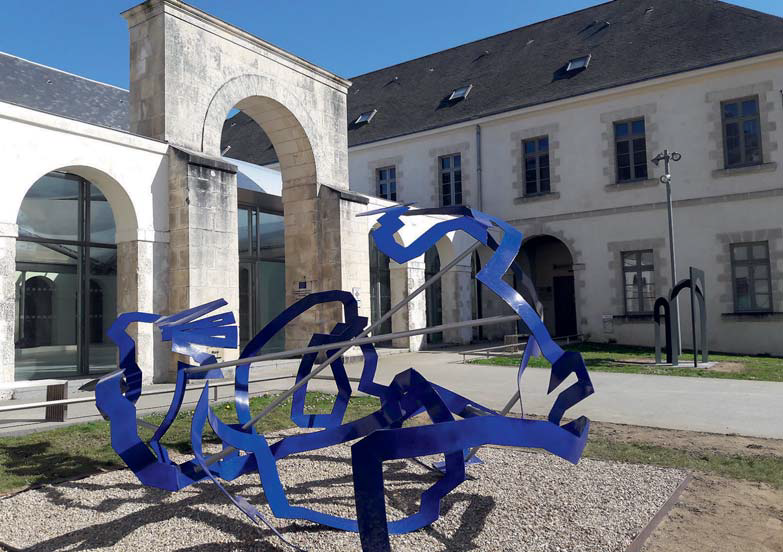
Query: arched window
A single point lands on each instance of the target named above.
(66, 239)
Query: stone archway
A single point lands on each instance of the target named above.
(188, 69)
(550, 264)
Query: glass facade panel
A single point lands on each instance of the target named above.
(66, 269)
(51, 208)
(102, 229)
(261, 273)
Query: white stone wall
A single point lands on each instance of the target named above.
(131, 171)
(593, 215)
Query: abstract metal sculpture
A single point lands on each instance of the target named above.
(458, 423)
(696, 286)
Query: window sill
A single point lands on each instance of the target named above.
(633, 318)
(632, 185)
(747, 316)
(531, 198)
(746, 169)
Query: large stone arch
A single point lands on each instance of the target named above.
(283, 117)
(188, 70)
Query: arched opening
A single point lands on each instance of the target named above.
(434, 295)
(273, 155)
(550, 265)
(66, 237)
(380, 289)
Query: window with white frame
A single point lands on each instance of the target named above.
(536, 161)
(750, 274)
(639, 281)
(450, 170)
(630, 150)
(386, 183)
(741, 132)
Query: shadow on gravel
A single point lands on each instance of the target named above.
(38, 463)
(404, 490)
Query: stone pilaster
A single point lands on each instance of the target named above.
(142, 278)
(7, 303)
(405, 279)
(457, 303)
(203, 259)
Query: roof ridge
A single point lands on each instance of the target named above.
(484, 38)
(746, 9)
(62, 71)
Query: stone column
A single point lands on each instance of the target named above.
(405, 279)
(457, 307)
(142, 283)
(8, 233)
(203, 260)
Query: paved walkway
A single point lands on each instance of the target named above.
(699, 404)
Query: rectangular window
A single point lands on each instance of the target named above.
(536, 161)
(750, 275)
(450, 170)
(630, 150)
(741, 132)
(639, 282)
(386, 180)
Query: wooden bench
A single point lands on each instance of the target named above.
(55, 390)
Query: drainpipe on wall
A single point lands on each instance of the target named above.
(480, 206)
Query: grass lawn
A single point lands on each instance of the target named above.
(610, 358)
(84, 449)
(761, 468)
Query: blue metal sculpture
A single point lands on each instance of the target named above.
(458, 424)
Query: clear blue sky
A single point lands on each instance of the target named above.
(349, 37)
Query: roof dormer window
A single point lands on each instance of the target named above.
(460, 93)
(579, 63)
(365, 117)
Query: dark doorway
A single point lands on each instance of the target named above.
(380, 291)
(565, 305)
(433, 295)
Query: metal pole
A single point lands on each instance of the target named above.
(676, 303)
(667, 157)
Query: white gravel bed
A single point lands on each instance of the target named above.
(517, 501)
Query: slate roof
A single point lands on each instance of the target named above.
(46, 89)
(629, 41)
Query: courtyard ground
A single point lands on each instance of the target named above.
(733, 502)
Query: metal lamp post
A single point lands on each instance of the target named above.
(667, 157)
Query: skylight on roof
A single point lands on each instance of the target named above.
(365, 117)
(579, 63)
(460, 93)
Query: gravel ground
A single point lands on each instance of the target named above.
(517, 501)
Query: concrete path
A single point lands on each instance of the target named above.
(697, 404)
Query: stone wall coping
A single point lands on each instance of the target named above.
(204, 160)
(348, 195)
